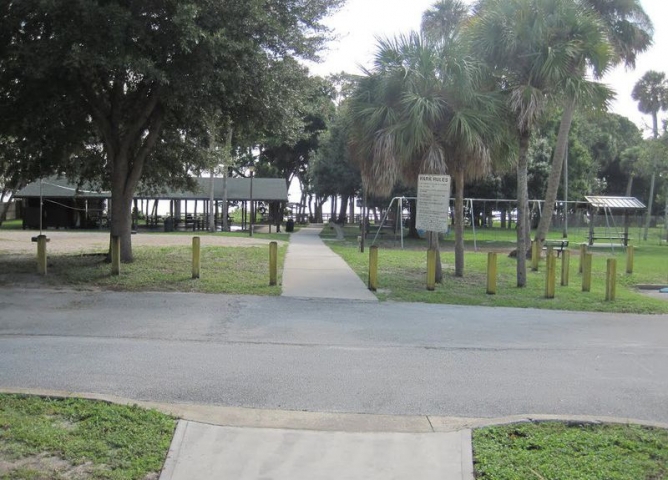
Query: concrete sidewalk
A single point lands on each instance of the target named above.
(312, 270)
(201, 451)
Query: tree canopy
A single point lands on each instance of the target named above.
(116, 89)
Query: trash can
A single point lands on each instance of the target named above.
(169, 224)
(290, 225)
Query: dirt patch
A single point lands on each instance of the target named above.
(654, 294)
(47, 467)
(18, 242)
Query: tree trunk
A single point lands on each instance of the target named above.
(629, 185)
(459, 223)
(560, 151)
(522, 207)
(665, 215)
(226, 226)
(432, 242)
(212, 211)
(412, 231)
(649, 206)
(655, 130)
(342, 210)
(4, 206)
(121, 220)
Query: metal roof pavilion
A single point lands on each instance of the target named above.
(615, 203)
(238, 189)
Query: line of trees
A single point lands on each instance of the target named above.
(132, 94)
(140, 96)
(472, 91)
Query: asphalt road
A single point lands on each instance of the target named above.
(335, 356)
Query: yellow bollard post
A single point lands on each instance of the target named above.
(431, 269)
(565, 267)
(491, 273)
(611, 280)
(550, 274)
(373, 268)
(629, 259)
(115, 255)
(583, 251)
(196, 257)
(586, 272)
(273, 263)
(41, 254)
(535, 255)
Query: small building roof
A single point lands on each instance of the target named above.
(238, 189)
(54, 187)
(615, 203)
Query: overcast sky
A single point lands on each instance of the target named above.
(360, 21)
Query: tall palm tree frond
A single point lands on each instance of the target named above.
(443, 21)
(629, 28)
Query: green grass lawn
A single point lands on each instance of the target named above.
(558, 451)
(54, 439)
(402, 276)
(232, 270)
(12, 225)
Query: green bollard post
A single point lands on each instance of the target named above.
(565, 267)
(629, 259)
(196, 257)
(41, 254)
(550, 274)
(586, 272)
(583, 251)
(611, 280)
(431, 269)
(535, 255)
(373, 268)
(491, 273)
(273, 263)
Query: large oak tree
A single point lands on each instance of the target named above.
(116, 88)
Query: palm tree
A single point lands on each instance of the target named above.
(443, 21)
(535, 48)
(421, 111)
(629, 32)
(651, 93)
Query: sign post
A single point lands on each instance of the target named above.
(433, 203)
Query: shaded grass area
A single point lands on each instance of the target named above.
(232, 270)
(12, 225)
(45, 438)
(402, 277)
(555, 450)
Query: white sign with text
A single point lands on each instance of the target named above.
(433, 203)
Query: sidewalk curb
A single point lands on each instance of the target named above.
(169, 465)
(323, 421)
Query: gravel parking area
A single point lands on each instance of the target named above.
(18, 242)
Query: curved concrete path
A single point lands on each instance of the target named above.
(312, 270)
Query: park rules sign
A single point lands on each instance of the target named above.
(433, 203)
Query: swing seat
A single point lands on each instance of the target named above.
(624, 238)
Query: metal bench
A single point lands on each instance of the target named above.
(557, 245)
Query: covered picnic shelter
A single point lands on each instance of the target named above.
(67, 205)
(610, 206)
